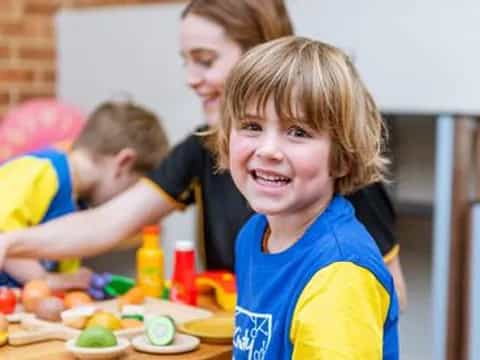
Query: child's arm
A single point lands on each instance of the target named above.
(90, 232)
(79, 279)
(24, 270)
(340, 314)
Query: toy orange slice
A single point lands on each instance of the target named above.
(216, 329)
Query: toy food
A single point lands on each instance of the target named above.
(98, 282)
(223, 282)
(76, 298)
(97, 294)
(133, 312)
(3, 337)
(96, 337)
(105, 319)
(130, 323)
(134, 296)
(3, 323)
(8, 300)
(160, 330)
(32, 292)
(118, 285)
(77, 317)
(49, 308)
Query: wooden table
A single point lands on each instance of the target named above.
(55, 350)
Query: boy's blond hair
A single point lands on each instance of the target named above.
(315, 84)
(114, 126)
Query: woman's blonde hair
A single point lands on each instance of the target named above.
(316, 84)
(247, 22)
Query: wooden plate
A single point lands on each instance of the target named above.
(181, 344)
(98, 353)
(216, 329)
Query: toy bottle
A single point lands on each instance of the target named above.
(150, 260)
(183, 282)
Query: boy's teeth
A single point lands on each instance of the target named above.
(273, 178)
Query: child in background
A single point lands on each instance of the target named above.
(298, 130)
(119, 143)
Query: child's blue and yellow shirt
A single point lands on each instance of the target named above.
(328, 296)
(34, 189)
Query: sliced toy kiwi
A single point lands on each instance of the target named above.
(138, 317)
(160, 330)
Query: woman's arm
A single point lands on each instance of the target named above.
(395, 269)
(89, 232)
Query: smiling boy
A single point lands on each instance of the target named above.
(298, 131)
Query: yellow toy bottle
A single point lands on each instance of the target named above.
(150, 268)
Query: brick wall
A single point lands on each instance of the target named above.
(27, 46)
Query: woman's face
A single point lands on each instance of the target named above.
(209, 55)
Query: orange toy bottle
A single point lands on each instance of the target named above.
(150, 263)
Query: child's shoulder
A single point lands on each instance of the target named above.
(251, 231)
(42, 154)
(350, 239)
(255, 226)
(48, 167)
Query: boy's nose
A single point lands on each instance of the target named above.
(270, 149)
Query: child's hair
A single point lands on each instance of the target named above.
(316, 84)
(114, 126)
(248, 22)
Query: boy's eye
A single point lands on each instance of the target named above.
(249, 126)
(297, 131)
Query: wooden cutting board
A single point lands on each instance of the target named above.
(36, 330)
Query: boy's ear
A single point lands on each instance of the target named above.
(125, 159)
(342, 172)
(342, 169)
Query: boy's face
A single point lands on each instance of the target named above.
(113, 178)
(282, 169)
(209, 55)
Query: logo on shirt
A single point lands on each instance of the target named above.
(253, 332)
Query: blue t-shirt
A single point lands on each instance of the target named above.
(328, 296)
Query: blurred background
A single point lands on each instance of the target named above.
(418, 58)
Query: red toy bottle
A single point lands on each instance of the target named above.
(183, 282)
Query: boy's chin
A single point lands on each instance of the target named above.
(267, 209)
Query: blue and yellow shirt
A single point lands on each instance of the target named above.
(34, 189)
(329, 296)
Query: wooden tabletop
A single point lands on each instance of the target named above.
(56, 350)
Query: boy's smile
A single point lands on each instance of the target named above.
(282, 168)
(269, 181)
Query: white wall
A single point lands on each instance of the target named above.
(416, 56)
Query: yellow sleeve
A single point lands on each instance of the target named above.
(27, 187)
(340, 315)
